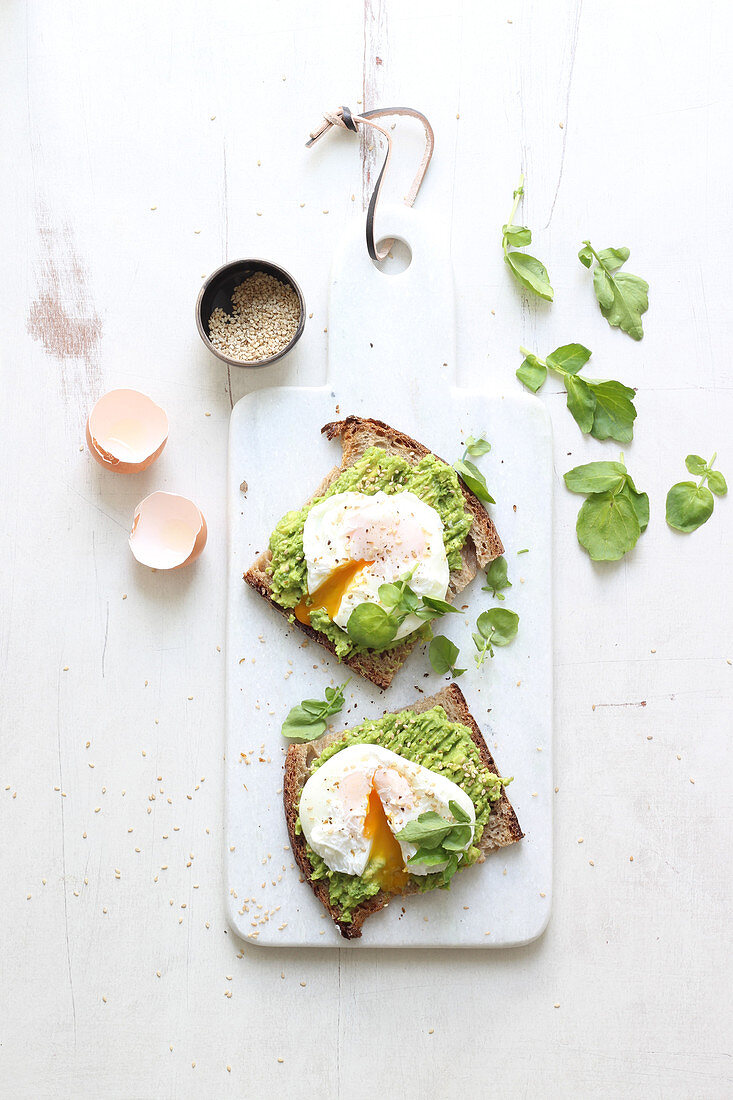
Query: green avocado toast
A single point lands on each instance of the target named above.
(437, 732)
(376, 458)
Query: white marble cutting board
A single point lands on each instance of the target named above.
(392, 357)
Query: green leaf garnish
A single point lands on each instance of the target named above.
(614, 514)
(438, 840)
(473, 479)
(443, 655)
(528, 271)
(469, 473)
(373, 627)
(307, 720)
(496, 578)
(498, 626)
(458, 812)
(622, 297)
(477, 447)
(603, 409)
(690, 503)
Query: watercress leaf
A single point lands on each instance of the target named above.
(581, 402)
(477, 446)
(456, 672)
(302, 726)
(496, 577)
(430, 859)
(314, 706)
(410, 601)
(532, 373)
(441, 607)
(458, 812)
(531, 273)
(630, 299)
(585, 255)
(689, 505)
(458, 838)
(483, 624)
(451, 868)
(369, 625)
(695, 464)
(613, 258)
(717, 483)
(640, 503)
(504, 625)
(335, 697)
(596, 477)
(424, 828)
(614, 414)
(473, 479)
(442, 654)
(389, 595)
(607, 526)
(479, 640)
(569, 357)
(517, 235)
(603, 287)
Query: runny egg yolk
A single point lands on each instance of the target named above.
(329, 594)
(385, 850)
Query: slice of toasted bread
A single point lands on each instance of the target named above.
(503, 827)
(481, 546)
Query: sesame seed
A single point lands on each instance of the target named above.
(264, 319)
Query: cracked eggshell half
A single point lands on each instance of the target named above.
(168, 531)
(126, 431)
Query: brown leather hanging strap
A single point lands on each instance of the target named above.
(348, 121)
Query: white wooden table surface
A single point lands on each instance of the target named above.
(143, 145)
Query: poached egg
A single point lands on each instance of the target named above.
(353, 804)
(355, 542)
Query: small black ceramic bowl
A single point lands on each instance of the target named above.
(217, 292)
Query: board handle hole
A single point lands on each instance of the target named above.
(397, 260)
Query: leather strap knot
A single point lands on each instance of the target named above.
(344, 119)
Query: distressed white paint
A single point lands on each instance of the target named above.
(105, 113)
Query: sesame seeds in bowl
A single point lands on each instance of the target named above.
(250, 313)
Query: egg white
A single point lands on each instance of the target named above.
(334, 802)
(397, 533)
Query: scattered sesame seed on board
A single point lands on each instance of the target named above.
(556, 1004)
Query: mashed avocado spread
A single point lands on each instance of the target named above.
(430, 479)
(429, 739)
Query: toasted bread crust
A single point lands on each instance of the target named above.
(503, 827)
(482, 545)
